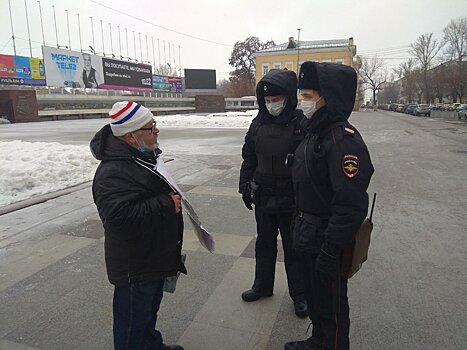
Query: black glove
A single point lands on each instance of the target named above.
(326, 267)
(248, 200)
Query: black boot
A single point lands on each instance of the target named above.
(307, 344)
(252, 295)
(301, 309)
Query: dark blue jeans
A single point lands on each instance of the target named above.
(135, 314)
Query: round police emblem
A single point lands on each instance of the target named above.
(265, 87)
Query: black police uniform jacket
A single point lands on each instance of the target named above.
(331, 170)
(143, 234)
(267, 143)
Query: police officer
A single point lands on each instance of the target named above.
(266, 181)
(331, 173)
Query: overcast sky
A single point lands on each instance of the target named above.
(206, 30)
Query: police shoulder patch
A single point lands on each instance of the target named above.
(350, 165)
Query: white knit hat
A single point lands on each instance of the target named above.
(128, 116)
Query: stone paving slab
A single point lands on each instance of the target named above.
(409, 295)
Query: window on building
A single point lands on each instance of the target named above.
(277, 65)
(265, 68)
(340, 60)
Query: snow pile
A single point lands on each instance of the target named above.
(214, 120)
(32, 168)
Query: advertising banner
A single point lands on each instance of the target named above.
(162, 83)
(66, 68)
(20, 70)
(123, 75)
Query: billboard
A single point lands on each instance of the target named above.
(200, 79)
(123, 75)
(83, 70)
(20, 70)
(162, 83)
(66, 68)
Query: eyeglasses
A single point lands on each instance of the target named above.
(152, 128)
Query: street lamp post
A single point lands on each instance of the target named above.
(27, 25)
(56, 32)
(68, 26)
(12, 32)
(298, 49)
(79, 32)
(42, 23)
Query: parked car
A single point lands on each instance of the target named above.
(411, 109)
(400, 108)
(422, 110)
(462, 113)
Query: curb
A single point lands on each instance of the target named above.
(42, 198)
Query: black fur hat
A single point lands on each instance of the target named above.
(308, 77)
(269, 89)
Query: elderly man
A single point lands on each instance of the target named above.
(142, 220)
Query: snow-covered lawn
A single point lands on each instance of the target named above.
(32, 168)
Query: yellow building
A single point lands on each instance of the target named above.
(292, 54)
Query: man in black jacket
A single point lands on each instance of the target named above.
(266, 181)
(331, 174)
(142, 220)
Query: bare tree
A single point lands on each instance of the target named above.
(455, 38)
(372, 74)
(425, 49)
(243, 60)
(166, 70)
(406, 71)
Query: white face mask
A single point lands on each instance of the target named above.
(275, 108)
(309, 108)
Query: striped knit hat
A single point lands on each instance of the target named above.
(128, 116)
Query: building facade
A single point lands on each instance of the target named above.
(292, 54)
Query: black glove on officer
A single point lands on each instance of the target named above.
(248, 200)
(326, 265)
(248, 194)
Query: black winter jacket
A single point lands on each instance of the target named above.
(332, 168)
(267, 143)
(143, 234)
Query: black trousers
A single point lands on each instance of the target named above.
(268, 226)
(328, 307)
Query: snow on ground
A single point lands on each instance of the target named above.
(32, 168)
(214, 120)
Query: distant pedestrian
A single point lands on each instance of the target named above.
(142, 220)
(331, 173)
(266, 182)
